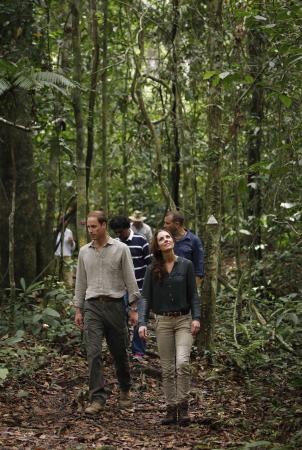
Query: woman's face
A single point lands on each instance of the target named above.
(164, 241)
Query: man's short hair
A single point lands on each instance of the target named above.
(119, 222)
(177, 216)
(99, 215)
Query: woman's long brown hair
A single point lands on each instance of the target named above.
(158, 264)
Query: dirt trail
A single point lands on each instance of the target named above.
(46, 412)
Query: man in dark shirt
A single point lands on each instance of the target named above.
(140, 253)
(187, 244)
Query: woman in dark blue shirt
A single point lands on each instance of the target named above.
(169, 290)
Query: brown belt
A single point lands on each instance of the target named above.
(105, 298)
(173, 313)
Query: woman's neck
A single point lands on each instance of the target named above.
(169, 256)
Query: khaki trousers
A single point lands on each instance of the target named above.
(174, 341)
(106, 319)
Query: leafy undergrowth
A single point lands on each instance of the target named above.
(45, 410)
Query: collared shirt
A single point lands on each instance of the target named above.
(144, 230)
(68, 244)
(175, 292)
(190, 247)
(106, 271)
(140, 253)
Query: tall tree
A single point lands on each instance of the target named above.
(93, 89)
(175, 170)
(78, 114)
(104, 119)
(256, 66)
(16, 155)
(214, 117)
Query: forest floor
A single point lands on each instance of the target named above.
(45, 410)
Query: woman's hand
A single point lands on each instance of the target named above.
(195, 327)
(142, 331)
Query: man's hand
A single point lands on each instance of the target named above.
(195, 327)
(142, 331)
(133, 317)
(78, 319)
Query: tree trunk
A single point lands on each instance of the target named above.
(93, 91)
(175, 175)
(104, 186)
(78, 115)
(213, 189)
(139, 99)
(254, 209)
(16, 107)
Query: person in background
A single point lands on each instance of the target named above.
(139, 227)
(187, 244)
(104, 274)
(63, 253)
(169, 290)
(140, 253)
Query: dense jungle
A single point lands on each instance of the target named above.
(153, 105)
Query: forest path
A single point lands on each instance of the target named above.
(45, 411)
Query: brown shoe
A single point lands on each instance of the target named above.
(183, 415)
(125, 401)
(171, 415)
(94, 408)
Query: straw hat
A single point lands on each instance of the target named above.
(137, 216)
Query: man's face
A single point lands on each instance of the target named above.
(96, 230)
(122, 233)
(138, 225)
(170, 225)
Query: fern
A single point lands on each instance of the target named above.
(51, 78)
(4, 85)
(29, 79)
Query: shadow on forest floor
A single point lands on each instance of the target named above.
(45, 411)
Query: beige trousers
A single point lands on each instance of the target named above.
(174, 341)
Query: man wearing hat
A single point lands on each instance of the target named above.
(139, 227)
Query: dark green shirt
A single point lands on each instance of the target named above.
(175, 292)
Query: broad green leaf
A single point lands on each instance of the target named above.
(3, 373)
(287, 101)
(209, 74)
(51, 312)
(20, 333)
(23, 284)
(248, 79)
(36, 318)
(294, 318)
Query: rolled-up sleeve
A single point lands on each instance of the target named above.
(146, 300)
(81, 283)
(129, 275)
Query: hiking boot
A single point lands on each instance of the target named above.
(94, 408)
(125, 401)
(183, 415)
(171, 415)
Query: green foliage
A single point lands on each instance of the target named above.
(14, 76)
(43, 313)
